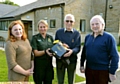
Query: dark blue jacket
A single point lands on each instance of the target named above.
(72, 39)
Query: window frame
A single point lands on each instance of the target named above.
(82, 25)
(52, 23)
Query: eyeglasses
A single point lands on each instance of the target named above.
(69, 21)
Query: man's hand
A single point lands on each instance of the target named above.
(68, 53)
(112, 77)
(82, 70)
(65, 45)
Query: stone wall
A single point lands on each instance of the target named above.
(112, 15)
(81, 9)
(84, 9)
(52, 13)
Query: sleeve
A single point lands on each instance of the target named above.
(77, 47)
(10, 52)
(56, 35)
(34, 43)
(52, 39)
(83, 56)
(113, 55)
(32, 56)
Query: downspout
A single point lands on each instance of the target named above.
(62, 16)
(33, 25)
(106, 13)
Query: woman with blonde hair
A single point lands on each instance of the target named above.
(41, 44)
(18, 53)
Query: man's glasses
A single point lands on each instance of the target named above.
(69, 21)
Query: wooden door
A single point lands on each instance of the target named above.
(26, 28)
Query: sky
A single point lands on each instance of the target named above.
(22, 2)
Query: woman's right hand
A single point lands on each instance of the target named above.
(49, 53)
(20, 70)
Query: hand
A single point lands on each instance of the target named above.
(31, 70)
(68, 54)
(49, 53)
(65, 45)
(28, 72)
(82, 70)
(112, 77)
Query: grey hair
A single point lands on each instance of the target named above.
(70, 15)
(100, 18)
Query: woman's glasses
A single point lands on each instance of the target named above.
(69, 21)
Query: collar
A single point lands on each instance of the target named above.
(68, 31)
(100, 33)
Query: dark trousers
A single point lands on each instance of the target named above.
(61, 68)
(96, 76)
(43, 72)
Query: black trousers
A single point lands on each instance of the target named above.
(43, 72)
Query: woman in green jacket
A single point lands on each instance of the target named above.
(41, 44)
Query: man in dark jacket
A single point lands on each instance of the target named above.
(72, 40)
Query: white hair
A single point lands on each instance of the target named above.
(100, 18)
(70, 15)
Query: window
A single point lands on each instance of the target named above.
(82, 25)
(52, 23)
(4, 25)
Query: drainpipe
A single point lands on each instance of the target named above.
(33, 27)
(62, 16)
(106, 4)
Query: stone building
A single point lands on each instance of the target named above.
(53, 11)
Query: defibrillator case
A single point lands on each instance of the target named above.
(58, 50)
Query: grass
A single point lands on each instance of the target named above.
(77, 79)
(118, 47)
(3, 71)
(3, 67)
